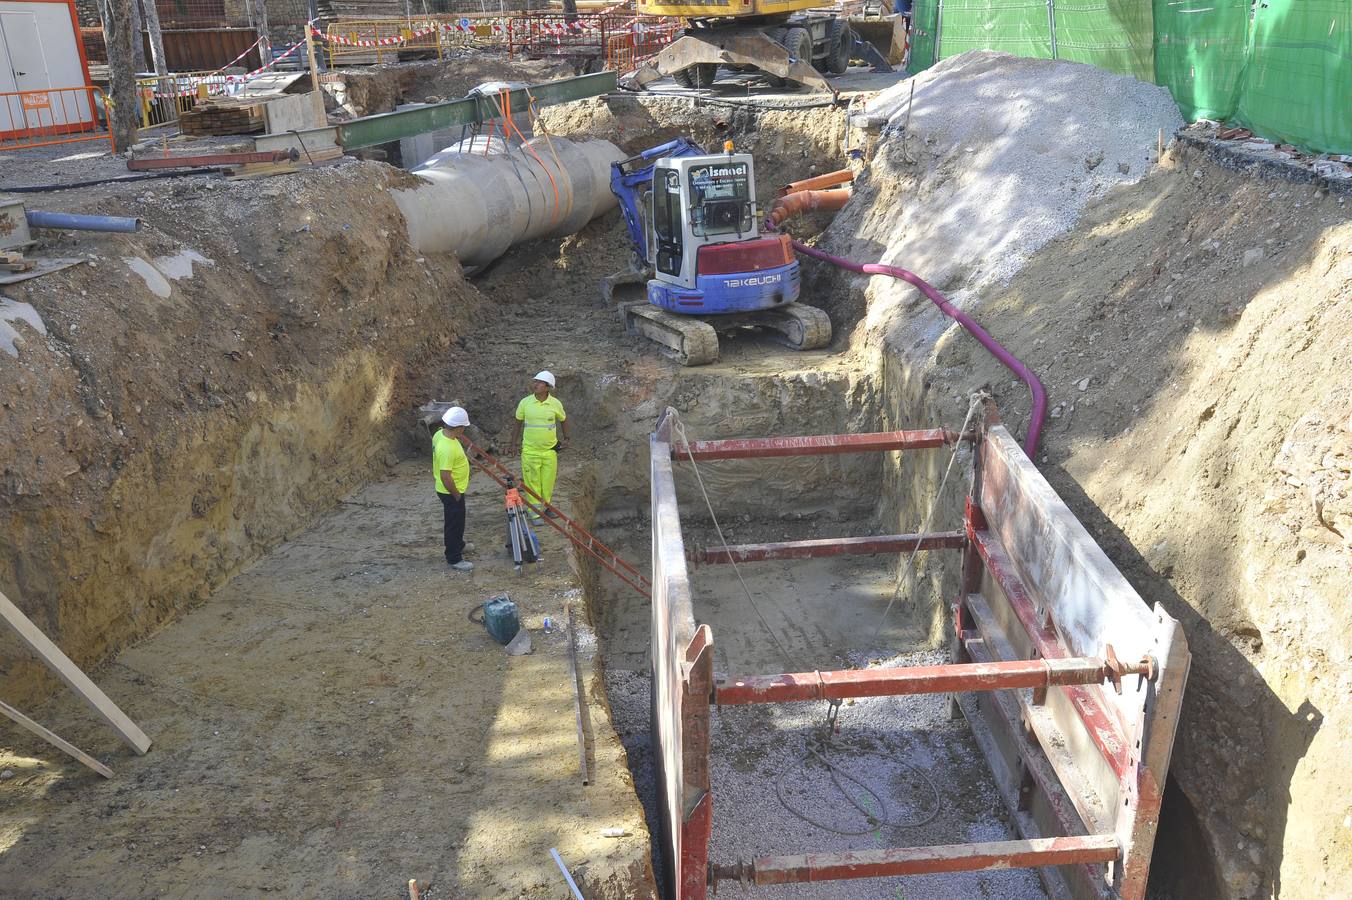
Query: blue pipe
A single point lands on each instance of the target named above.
(76, 222)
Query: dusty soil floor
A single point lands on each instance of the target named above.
(331, 725)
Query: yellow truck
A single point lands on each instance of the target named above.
(788, 40)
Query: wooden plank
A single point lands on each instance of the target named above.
(54, 739)
(673, 631)
(73, 676)
(577, 696)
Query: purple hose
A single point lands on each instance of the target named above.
(1011, 362)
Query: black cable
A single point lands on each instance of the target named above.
(40, 188)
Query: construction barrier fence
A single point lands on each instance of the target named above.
(162, 100)
(617, 41)
(1281, 68)
(54, 116)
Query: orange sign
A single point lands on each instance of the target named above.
(36, 100)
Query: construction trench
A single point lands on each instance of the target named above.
(215, 500)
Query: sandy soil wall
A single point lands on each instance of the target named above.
(249, 368)
(1185, 329)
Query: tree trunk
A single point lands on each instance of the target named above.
(260, 21)
(138, 45)
(125, 117)
(156, 37)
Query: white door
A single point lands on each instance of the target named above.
(27, 63)
(23, 67)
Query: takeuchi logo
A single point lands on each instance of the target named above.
(737, 171)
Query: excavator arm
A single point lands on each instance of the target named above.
(630, 178)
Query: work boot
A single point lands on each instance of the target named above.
(463, 566)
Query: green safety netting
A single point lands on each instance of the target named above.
(1282, 68)
(1117, 35)
(1297, 84)
(1199, 54)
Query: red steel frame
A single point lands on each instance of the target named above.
(1006, 637)
(851, 683)
(814, 445)
(856, 546)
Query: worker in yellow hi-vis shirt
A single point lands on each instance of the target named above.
(450, 472)
(541, 432)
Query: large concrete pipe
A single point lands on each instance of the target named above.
(476, 206)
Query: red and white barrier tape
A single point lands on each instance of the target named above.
(238, 58)
(378, 42)
(222, 86)
(263, 68)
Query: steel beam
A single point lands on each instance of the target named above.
(385, 127)
(814, 445)
(212, 159)
(854, 546)
(813, 867)
(952, 678)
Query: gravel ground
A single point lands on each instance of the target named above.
(995, 156)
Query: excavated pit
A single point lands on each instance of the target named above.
(159, 481)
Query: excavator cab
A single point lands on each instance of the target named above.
(710, 258)
(694, 226)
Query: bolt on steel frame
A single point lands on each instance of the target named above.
(1041, 608)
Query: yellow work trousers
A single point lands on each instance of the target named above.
(539, 468)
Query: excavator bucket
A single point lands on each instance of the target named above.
(625, 286)
(730, 47)
(887, 35)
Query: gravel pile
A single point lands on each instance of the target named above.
(992, 157)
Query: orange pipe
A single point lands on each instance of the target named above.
(818, 182)
(790, 205)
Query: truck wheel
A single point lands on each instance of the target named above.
(700, 75)
(798, 41)
(840, 39)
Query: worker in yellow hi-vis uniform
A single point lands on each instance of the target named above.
(541, 431)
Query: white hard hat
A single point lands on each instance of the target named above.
(547, 377)
(455, 417)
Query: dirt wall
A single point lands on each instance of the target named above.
(203, 389)
(1185, 330)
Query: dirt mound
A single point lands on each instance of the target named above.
(1185, 331)
(377, 89)
(202, 388)
(788, 144)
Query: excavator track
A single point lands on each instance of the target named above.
(690, 341)
(798, 325)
